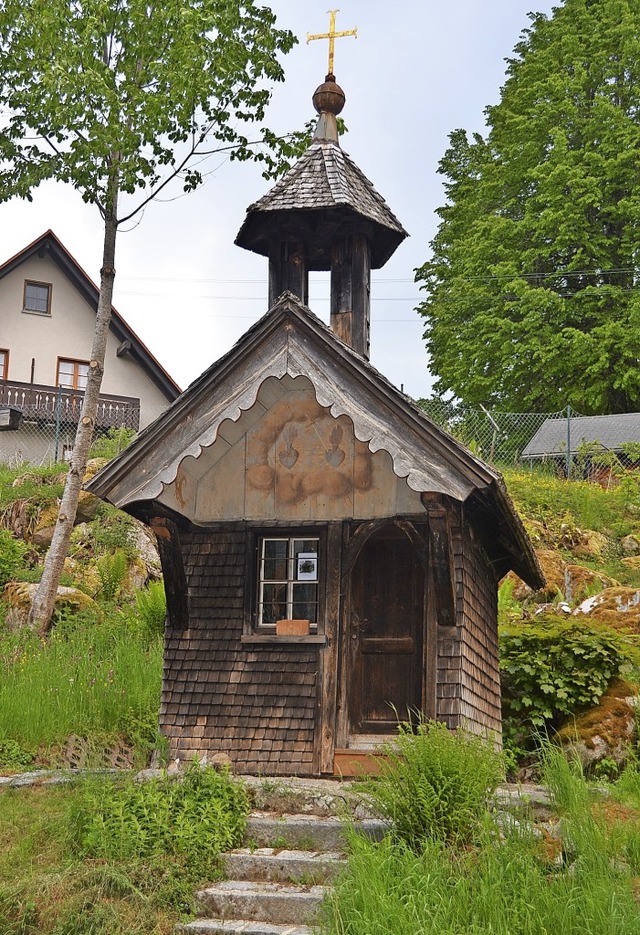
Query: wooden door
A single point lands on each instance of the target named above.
(385, 633)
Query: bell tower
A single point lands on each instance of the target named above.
(324, 214)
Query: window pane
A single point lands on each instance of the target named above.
(36, 297)
(305, 602)
(274, 603)
(65, 373)
(274, 569)
(304, 545)
(274, 559)
(83, 373)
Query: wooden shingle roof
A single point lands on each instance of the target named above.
(325, 181)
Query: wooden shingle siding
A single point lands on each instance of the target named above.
(480, 676)
(255, 704)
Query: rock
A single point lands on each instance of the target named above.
(144, 542)
(220, 761)
(630, 545)
(617, 606)
(42, 537)
(28, 478)
(88, 507)
(604, 731)
(570, 581)
(18, 595)
(45, 524)
(592, 545)
(552, 565)
(93, 466)
(579, 581)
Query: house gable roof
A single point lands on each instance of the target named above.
(324, 181)
(611, 432)
(289, 339)
(49, 245)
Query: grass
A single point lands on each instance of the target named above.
(512, 881)
(91, 678)
(551, 500)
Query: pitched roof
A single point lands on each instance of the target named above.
(611, 432)
(289, 339)
(48, 244)
(324, 178)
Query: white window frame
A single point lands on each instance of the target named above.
(292, 578)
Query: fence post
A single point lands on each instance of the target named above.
(568, 442)
(57, 438)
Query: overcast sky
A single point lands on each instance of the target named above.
(417, 70)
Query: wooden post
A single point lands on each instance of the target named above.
(175, 581)
(350, 292)
(288, 271)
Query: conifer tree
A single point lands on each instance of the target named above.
(532, 290)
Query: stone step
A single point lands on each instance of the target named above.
(278, 903)
(276, 865)
(239, 927)
(308, 832)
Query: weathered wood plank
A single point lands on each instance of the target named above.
(328, 695)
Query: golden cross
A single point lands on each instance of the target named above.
(332, 35)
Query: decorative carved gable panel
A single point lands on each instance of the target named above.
(288, 458)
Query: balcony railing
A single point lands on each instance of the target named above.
(50, 405)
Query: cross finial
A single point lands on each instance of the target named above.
(332, 35)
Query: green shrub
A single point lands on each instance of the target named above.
(151, 604)
(12, 553)
(112, 443)
(434, 784)
(557, 667)
(13, 755)
(111, 531)
(199, 816)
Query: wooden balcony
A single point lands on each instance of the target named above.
(50, 405)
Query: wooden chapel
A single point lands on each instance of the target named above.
(331, 557)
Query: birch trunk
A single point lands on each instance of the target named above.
(41, 612)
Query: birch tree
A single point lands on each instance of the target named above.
(119, 98)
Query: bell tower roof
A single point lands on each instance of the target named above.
(324, 195)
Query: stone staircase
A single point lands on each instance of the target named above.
(275, 885)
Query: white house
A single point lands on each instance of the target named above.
(47, 319)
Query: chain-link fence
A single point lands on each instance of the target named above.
(39, 425)
(565, 443)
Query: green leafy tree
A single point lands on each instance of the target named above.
(532, 293)
(119, 98)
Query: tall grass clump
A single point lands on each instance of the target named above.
(89, 677)
(434, 784)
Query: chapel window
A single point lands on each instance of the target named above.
(288, 575)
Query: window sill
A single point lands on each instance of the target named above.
(271, 638)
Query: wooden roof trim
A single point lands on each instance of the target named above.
(50, 244)
(295, 357)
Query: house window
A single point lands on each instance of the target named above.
(72, 374)
(37, 297)
(287, 580)
(4, 365)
